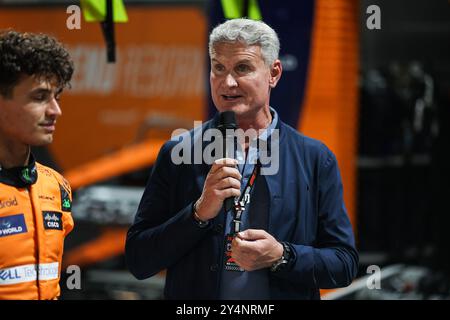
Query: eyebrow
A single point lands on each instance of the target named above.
(240, 61)
(244, 61)
(45, 91)
(40, 90)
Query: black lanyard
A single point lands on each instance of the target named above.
(244, 199)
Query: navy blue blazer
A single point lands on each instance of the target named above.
(306, 210)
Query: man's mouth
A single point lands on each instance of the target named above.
(48, 126)
(229, 97)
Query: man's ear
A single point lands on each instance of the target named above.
(275, 73)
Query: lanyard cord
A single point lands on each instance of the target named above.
(244, 199)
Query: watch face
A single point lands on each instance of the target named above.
(283, 261)
(278, 265)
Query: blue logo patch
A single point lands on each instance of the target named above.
(11, 225)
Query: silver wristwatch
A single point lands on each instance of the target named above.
(284, 260)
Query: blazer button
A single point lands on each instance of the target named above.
(214, 267)
(218, 228)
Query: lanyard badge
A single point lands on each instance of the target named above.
(238, 210)
(230, 264)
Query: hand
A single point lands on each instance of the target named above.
(223, 181)
(255, 249)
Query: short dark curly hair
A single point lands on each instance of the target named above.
(32, 54)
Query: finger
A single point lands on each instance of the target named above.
(236, 257)
(230, 192)
(226, 161)
(241, 246)
(227, 172)
(236, 248)
(236, 242)
(253, 234)
(223, 162)
(229, 183)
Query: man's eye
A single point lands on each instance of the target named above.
(218, 67)
(243, 68)
(40, 97)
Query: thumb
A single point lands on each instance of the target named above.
(252, 234)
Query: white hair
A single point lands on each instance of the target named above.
(249, 32)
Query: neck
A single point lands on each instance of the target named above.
(14, 155)
(260, 121)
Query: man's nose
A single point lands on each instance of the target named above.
(230, 81)
(53, 108)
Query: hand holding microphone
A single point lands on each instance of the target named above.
(223, 182)
(227, 126)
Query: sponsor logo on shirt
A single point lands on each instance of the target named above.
(11, 225)
(29, 272)
(11, 202)
(52, 220)
(66, 203)
(44, 197)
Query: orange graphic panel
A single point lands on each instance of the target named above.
(156, 85)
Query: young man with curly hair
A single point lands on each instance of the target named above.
(35, 201)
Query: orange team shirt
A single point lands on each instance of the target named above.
(35, 217)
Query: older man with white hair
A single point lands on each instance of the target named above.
(294, 236)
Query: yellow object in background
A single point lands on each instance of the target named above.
(233, 9)
(95, 10)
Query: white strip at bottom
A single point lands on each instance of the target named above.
(27, 273)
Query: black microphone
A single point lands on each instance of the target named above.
(227, 120)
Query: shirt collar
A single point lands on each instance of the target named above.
(268, 131)
(20, 177)
(264, 136)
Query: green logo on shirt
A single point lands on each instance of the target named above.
(66, 204)
(26, 175)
